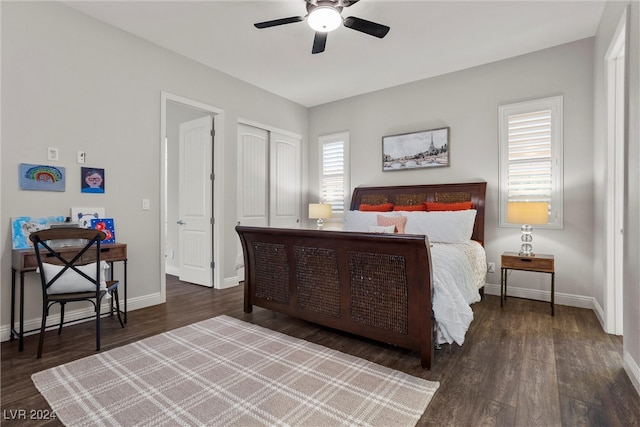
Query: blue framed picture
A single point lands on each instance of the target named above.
(23, 226)
(105, 225)
(92, 180)
(41, 177)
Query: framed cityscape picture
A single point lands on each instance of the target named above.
(416, 150)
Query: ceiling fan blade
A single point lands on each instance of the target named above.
(276, 22)
(319, 42)
(365, 26)
(347, 3)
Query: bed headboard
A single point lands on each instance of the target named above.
(415, 194)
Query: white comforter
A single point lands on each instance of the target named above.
(459, 270)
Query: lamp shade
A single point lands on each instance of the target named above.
(319, 210)
(528, 212)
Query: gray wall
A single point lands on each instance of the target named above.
(467, 102)
(71, 82)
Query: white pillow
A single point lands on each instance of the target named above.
(362, 220)
(442, 226)
(380, 229)
(71, 281)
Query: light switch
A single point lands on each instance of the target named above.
(145, 204)
(81, 157)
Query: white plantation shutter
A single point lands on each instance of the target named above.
(530, 156)
(334, 171)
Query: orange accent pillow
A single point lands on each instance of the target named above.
(385, 207)
(410, 208)
(458, 206)
(398, 221)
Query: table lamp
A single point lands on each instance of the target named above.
(319, 211)
(527, 213)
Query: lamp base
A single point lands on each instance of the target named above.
(526, 249)
(319, 224)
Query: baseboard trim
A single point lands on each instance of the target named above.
(632, 369)
(174, 271)
(79, 315)
(560, 298)
(230, 282)
(598, 310)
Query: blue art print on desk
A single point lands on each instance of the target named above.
(23, 226)
(106, 226)
(41, 177)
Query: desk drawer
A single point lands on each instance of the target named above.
(107, 253)
(25, 259)
(543, 264)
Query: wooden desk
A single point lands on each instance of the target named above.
(24, 261)
(540, 263)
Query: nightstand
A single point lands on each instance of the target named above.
(539, 263)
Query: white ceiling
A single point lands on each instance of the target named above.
(427, 38)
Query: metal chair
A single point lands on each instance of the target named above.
(81, 278)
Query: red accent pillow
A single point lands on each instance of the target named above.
(385, 207)
(409, 208)
(458, 206)
(398, 221)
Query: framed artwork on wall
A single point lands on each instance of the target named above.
(92, 180)
(416, 150)
(41, 177)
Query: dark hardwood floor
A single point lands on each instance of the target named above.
(518, 367)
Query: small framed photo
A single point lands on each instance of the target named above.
(416, 150)
(92, 180)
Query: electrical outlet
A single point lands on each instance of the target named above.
(52, 154)
(491, 267)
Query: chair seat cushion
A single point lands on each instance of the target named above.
(71, 281)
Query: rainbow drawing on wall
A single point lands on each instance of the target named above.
(41, 177)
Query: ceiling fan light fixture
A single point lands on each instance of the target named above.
(324, 19)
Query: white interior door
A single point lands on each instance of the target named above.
(615, 185)
(195, 202)
(285, 170)
(253, 176)
(253, 181)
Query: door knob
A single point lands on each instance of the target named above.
(180, 222)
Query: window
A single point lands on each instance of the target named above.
(334, 171)
(531, 156)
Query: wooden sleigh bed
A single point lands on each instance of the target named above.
(373, 285)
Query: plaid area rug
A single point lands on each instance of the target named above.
(223, 372)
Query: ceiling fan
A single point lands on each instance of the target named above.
(324, 16)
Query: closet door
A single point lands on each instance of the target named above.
(253, 176)
(285, 189)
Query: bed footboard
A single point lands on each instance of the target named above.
(373, 285)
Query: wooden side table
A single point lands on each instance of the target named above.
(540, 263)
